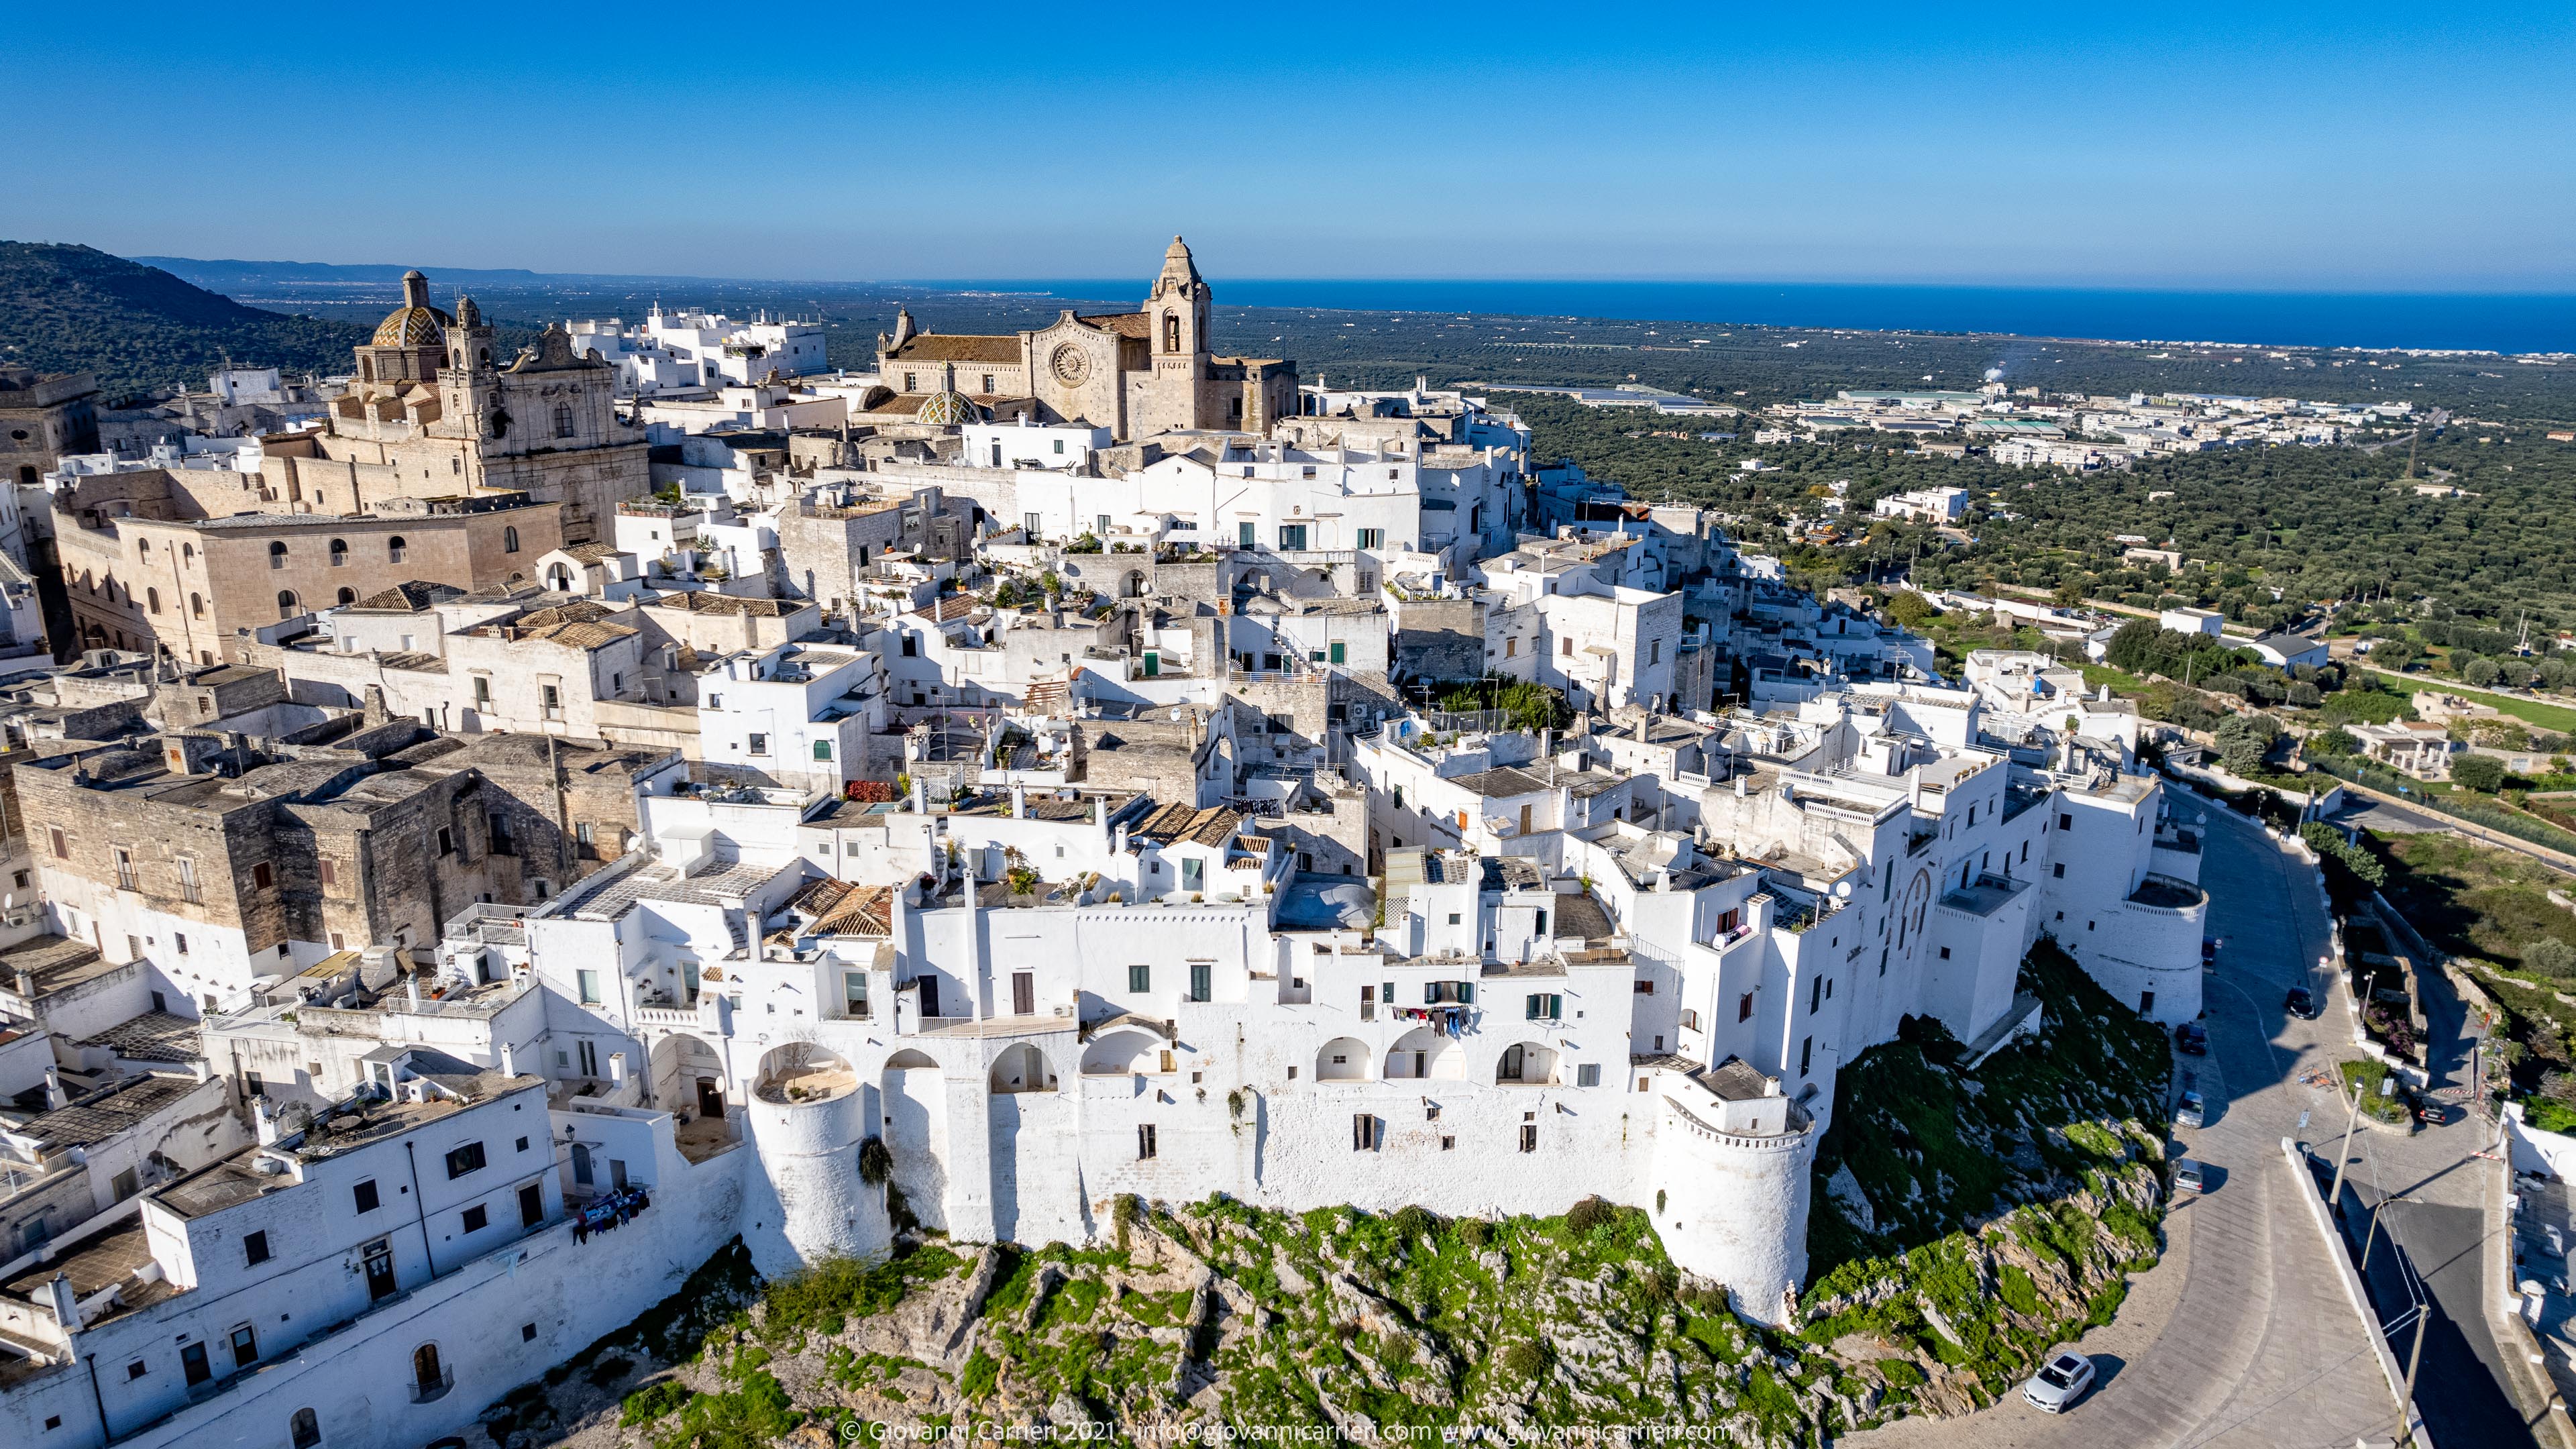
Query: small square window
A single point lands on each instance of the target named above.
(523, 1144)
(1945, 953)
(475, 1218)
(137, 1369)
(527, 1333)
(1448, 1144)
(255, 1249)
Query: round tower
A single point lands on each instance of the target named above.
(807, 1119)
(1730, 1183)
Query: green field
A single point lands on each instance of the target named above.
(2556, 718)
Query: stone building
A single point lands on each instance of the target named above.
(1135, 373)
(215, 864)
(433, 414)
(44, 417)
(194, 561)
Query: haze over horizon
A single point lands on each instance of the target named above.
(2326, 150)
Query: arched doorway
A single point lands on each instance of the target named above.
(1343, 1059)
(428, 1375)
(1022, 1068)
(1423, 1053)
(689, 1083)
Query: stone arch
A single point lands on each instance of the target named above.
(1909, 913)
(1022, 1068)
(1423, 1053)
(800, 1072)
(1343, 1059)
(1133, 586)
(688, 1079)
(1118, 1053)
(1526, 1064)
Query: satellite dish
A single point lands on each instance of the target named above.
(1842, 889)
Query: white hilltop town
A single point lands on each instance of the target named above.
(654, 784)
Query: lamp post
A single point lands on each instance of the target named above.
(2368, 1238)
(2414, 1356)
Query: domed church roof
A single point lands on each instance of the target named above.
(948, 408)
(412, 327)
(415, 323)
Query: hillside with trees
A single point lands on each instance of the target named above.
(2339, 525)
(78, 309)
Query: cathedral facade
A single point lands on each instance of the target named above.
(1135, 373)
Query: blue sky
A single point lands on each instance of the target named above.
(2343, 147)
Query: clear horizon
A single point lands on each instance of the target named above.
(2346, 149)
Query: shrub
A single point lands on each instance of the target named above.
(2483, 773)
(876, 1161)
(1588, 1214)
(1475, 1232)
(2549, 956)
(1413, 1222)
(653, 1401)
(1524, 1359)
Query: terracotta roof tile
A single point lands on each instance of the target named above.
(957, 347)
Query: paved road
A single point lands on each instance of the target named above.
(2243, 1336)
(2435, 1187)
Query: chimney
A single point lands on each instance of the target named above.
(617, 1068)
(1019, 802)
(27, 986)
(265, 1119)
(1643, 721)
(55, 1096)
(411, 989)
(64, 1302)
(1099, 811)
(509, 1060)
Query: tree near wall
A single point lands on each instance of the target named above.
(2478, 772)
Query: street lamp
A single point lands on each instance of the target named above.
(2369, 1237)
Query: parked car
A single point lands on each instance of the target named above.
(2059, 1383)
(2192, 1037)
(2301, 1002)
(2189, 1111)
(2189, 1176)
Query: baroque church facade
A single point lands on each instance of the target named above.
(1135, 373)
(432, 414)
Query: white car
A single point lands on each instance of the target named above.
(2059, 1383)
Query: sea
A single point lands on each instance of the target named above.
(2461, 321)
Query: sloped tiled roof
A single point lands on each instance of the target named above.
(409, 597)
(957, 347)
(1212, 826)
(1125, 324)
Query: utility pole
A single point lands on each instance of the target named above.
(2414, 1356)
(2352, 1119)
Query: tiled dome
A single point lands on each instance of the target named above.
(412, 327)
(948, 408)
